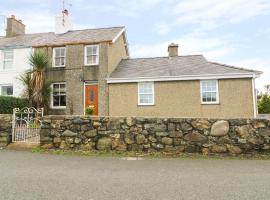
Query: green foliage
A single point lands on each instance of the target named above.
(39, 60)
(37, 89)
(8, 103)
(89, 110)
(264, 104)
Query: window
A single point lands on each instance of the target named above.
(6, 90)
(91, 55)
(146, 93)
(59, 57)
(58, 99)
(209, 92)
(8, 56)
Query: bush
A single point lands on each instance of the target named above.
(264, 104)
(8, 103)
(89, 110)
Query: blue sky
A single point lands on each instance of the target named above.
(234, 32)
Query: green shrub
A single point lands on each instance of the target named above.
(89, 110)
(264, 104)
(8, 103)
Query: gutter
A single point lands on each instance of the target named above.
(184, 77)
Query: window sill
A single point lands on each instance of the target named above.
(91, 65)
(58, 108)
(210, 103)
(145, 105)
(59, 66)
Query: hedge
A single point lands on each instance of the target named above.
(8, 103)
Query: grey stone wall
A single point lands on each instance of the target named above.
(5, 130)
(173, 135)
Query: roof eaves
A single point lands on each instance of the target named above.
(184, 77)
(239, 68)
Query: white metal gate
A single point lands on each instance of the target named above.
(26, 125)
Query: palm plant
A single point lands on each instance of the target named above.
(37, 89)
(39, 62)
(26, 81)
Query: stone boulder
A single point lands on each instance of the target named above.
(167, 140)
(256, 140)
(243, 131)
(201, 124)
(140, 139)
(220, 128)
(68, 133)
(218, 149)
(195, 137)
(91, 133)
(104, 144)
(176, 134)
(234, 149)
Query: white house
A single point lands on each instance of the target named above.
(13, 58)
(13, 62)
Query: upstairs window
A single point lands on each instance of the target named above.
(209, 92)
(59, 57)
(6, 90)
(91, 55)
(8, 57)
(146, 93)
(58, 99)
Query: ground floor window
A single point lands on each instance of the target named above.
(6, 90)
(146, 93)
(209, 92)
(58, 98)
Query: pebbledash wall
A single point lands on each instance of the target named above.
(5, 130)
(173, 135)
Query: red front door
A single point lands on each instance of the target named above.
(91, 97)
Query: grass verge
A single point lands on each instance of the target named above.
(152, 155)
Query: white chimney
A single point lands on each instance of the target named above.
(63, 23)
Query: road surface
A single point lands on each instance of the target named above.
(34, 176)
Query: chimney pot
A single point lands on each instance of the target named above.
(173, 50)
(65, 12)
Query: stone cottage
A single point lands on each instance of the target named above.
(92, 67)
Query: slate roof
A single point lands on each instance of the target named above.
(173, 66)
(50, 38)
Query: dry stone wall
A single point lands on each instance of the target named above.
(5, 130)
(173, 135)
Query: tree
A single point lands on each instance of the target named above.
(37, 88)
(264, 101)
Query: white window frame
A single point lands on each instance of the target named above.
(4, 59)
(85, 55)
(57, 107)
(153, 94)
(54, 49)
(217, 92)
(1, 85)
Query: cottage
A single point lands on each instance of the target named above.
(181, 86)
(92, 67)
(81, 60)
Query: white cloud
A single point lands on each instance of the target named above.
(130, 8)
(256, 64)
(211, 47)
(218, 12)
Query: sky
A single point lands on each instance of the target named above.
(235, 32)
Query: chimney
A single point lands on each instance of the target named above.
(63, 23)
(14, 27)
(173, 50)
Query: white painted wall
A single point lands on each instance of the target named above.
(20, 65)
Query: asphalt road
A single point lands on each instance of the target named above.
(27, 176)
